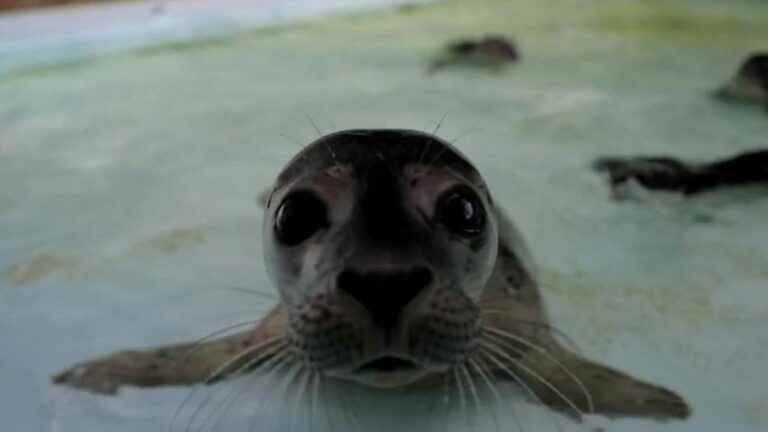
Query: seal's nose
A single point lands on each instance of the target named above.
(384, 294)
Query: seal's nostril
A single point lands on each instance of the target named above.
(384, 294)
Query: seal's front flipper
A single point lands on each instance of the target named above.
(184, 364)
(580, 386)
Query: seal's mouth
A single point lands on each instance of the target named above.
(388, 364)
(386, 371)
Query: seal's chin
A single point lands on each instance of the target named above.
(386, 372)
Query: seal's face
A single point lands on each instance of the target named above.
(380, 243)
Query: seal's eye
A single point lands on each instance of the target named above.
(461, 211)
(301, 214)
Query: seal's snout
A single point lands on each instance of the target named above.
(384, 294)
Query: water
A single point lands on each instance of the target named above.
(128, 192)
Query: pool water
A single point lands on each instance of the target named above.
(129, 215)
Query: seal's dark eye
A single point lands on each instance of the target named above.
(301, 214)
(461, 211)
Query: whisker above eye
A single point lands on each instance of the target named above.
(267, 295)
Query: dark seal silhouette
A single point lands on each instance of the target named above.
(669, 174)
(492, 52)
(750, 83)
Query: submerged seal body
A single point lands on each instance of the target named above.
(395, 267)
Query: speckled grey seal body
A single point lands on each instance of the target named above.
(395, 268)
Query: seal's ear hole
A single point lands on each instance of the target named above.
(301, 214)
(460, 210)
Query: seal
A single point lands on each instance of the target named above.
(492, 52)
(750, 82)
(688, 178)
(395, 268)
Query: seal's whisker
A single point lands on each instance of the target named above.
(218, 374)
(485, 346)
(462, 395)
(480, 370)
(472, 391)
(321, 134)
(333, 154)
(439, 123)
(286, 360)
(218, 413)
(446, 396)
(222, 372)
(463, 135)
(519, 364)
(301, 391)
(563, 335)
(327, 407)
(579, 383)
(437, 157)
(218, 370)
(267, 295)
(196, 345)
(424, 152)
(314, 125)
(247, 384)
(292, 140)
(313, 399)
(200, 407)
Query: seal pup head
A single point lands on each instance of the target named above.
(380, 243)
